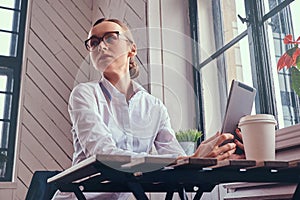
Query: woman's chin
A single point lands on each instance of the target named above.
(102, 66)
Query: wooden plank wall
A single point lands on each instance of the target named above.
(55, 61)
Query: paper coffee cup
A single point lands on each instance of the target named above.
(258, 133)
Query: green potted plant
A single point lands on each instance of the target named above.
(188, 139)
(291, 60)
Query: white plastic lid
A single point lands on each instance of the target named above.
(257, 118)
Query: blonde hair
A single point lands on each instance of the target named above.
(133, 67)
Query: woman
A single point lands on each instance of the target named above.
(116, 115)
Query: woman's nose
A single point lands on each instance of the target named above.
(102, 46)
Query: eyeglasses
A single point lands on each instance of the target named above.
(109, 39)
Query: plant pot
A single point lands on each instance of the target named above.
(188, 147)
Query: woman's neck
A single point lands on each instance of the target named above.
(122, 83)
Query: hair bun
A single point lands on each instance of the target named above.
(133, 68)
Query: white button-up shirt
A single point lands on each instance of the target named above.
(105, 123)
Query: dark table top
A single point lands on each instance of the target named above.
(112, 173)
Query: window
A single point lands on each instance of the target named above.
(280, 25)
(244, 42)
(12, 28)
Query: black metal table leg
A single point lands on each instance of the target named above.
(198, 195)
(169, 195)
(182, 194)
(202, 189)
(296, 195)
(137, 190)
(79, 194)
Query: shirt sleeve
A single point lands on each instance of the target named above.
(165, 141)
(91, 132)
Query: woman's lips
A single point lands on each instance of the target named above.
(104, 56)
(104, 60)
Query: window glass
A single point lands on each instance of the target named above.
(5, 118)
(3, 83)
(5, 106)
(280, 25)
(4, 129)
(3, 158)
(233, 25)
(6, 81)
(226, 26)
(4, 135)
(11, 4)
(10, 20)
(8, 43)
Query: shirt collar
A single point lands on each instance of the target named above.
(111, 91)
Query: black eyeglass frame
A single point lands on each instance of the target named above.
(87, 46)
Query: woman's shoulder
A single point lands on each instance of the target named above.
(144, 94)
(149, 99)
(85, 88)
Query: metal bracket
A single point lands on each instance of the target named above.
(243, 20)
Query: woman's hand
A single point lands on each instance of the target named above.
(239, 145)
(213, 148)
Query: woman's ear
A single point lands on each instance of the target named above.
(132, 52)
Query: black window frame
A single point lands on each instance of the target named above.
(13, 64)
(255, 19)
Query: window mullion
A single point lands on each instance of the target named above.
(260, 58)
(8, 61)
(200, 120)
(221, 61)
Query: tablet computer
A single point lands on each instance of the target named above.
(239, 104)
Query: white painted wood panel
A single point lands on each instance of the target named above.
(55, 61)
(46, 88)
(6, 193)
(77, 14)
(46, 107)
(65, 139)
(54, 150)
(57, 34)
(89, 3)
(139, 7)
(61, 24)
(104, 9)
(65, 14)
(177, 63)
(38, 151)
(21, 190)
(45, 36)
(155, 52)
(7, 190)
(25, 174)
(55, 48)
(85, 7)
(29, 160)
(48, 73)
